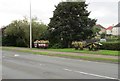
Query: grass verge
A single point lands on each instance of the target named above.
(65, 55)
(86, 51)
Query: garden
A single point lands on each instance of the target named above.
(102, 48)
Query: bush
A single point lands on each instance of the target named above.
(20, 43)
(56, 46)
(78, 45)
(110, 45)
(94, 46)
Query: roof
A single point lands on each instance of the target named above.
(118, 25)
(109, 28)
(100, 26)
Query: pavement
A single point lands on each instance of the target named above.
(19, 65)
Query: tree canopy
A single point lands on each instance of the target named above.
(96, 29)
(17, 32)
(70, 22)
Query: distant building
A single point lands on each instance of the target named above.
(102, 29)
(116, 30)
(109, 30)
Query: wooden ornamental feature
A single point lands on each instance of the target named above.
(41, 44)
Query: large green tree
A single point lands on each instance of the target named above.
(70, 22)
(17, 32)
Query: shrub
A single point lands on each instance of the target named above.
(110, 45)
(56, 46)
(20, 43)
(94, 46)
(78, 45)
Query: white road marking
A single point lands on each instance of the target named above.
(16, 55)
(95, 75)
(67, 69)
(91, 74)
(40, 64)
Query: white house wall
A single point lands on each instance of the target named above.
(108, 32)
(116, 31)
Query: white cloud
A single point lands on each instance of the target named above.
(43, 9)
(98, 14)
(106, 13)
(102, 0)
(16, 9)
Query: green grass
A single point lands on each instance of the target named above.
(89, 58)
(86, 51)
(26, 51)
(63, 55)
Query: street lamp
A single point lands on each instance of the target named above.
(30, 27)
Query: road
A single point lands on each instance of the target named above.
(0, 71)
(18, 65)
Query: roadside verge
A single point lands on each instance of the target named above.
(90, 57)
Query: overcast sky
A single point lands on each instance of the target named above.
(106, 12)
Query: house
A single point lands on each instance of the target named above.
(102, 29)
(116, 30)
(109, 30)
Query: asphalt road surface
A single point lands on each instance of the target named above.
(0, 64)
(18, 65)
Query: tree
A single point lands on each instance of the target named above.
(102, 35)
(75, 0)
(70, 22)
(96, 30)
(38, 29)
(17, 32)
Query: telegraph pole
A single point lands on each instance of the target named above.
(30, 27)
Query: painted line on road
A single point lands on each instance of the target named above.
(40, 64)
(91, 74)
(67, 69)
(95, 75)
(16, 55)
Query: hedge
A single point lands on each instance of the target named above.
(110, 46)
